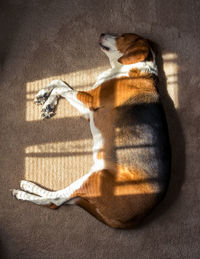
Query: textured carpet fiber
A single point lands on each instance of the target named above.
(43, 40)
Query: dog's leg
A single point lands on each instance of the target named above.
(44, 93)
(33, 188)
(41, 196)
(56, 89)
(34, 193)
(21, 195)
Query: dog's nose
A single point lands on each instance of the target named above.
(102, 35)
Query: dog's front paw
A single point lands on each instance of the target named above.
(47, 112)
(48, 109)
(42, 95)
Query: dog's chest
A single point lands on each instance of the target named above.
(123, 71)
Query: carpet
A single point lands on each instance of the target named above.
(45, 40)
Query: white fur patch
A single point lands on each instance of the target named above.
(123, 71)
(98, 163)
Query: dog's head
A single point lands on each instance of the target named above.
(125, 49)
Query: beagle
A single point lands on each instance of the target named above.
(131, 149)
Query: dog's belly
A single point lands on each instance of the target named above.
(135, 136)
(141, 140)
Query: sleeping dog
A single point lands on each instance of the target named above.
(131, 150)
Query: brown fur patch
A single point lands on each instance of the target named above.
(85, 98)
(115, 92)
(51, 206)
(100, 154)
(117, 195)
(136, 73)
(133, 47)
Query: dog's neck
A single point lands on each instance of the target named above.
(120, 70)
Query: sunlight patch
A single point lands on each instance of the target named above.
(171, 72)
(81, 80)
(56, 165)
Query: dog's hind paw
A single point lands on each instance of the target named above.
(20, 195)
(14, 192)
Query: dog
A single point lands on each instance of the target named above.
(131, 150)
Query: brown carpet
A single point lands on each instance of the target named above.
(41, 40)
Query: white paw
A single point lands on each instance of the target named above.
(20, 195)
(48, 109)
(14, 192)
(26, 186)
(42, 95)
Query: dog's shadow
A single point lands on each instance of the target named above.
(177, 141)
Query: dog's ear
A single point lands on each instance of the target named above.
(136, 53)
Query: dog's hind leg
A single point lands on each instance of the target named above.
(34, 193)
(38, 195)
(44, 201)
(34, 188)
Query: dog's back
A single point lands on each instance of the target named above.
(142, 141)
